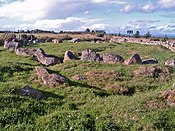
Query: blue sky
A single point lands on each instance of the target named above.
(156, 16)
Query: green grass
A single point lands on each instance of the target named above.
(91, 104)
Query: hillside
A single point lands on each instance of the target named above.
(109, 97)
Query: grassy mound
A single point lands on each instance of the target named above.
(109, 97)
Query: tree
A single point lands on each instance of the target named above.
(147, 35)
(87, 30)
(93, 32)
(165, 38)
(61, 32)
(137, 34)
(130, 32)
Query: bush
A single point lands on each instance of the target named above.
(100, 35)
(164, 120)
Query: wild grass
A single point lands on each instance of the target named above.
(93, 104)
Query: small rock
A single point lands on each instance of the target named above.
(170, 62)
(69, 56)
(78, 77)
(29, 91)
(169, 96)
(112, 58)
(89, 55)
(173, 85)
(134, 59)
(150, 61)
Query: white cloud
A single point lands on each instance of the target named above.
(86, 13)
(144, 22)
(22, 10)
(99, 1)
(119, 2)
(29, 10)
(97, 27)
(166, 4)
(70, 23)
(128, 8)
(149, 7)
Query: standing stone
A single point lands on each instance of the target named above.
(57, 41)
(134, 59)
(26, 51)
(112, 58)
(150, 61)
(69, 56)
(51, 80)
(89, 55)
(44, 59)
(75, 40)
(11, 45)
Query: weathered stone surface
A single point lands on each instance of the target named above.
(112, 58)
(134, 59)
(169, 96)
(173, 85)
(79, 77)
(51, 80)
(89, 55)
(148, 71)
(44, 59)
(150, 61)
(41, 71)
(29, 91)
(75, 40)
(57, 41)
(11, 45)
(69, 56)
(26, 51)
(170, 62)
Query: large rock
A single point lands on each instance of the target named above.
(112, 58)
(11, 45)
(51, 80)
(169, 96)
(44, 59)
(134, 59)
(89, 55)
(26, 51)
(150, 61)
(29, 91)
(170, 62)
(69, 56)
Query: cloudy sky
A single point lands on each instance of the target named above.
(156, 16)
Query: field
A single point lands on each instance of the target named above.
(95, 103)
